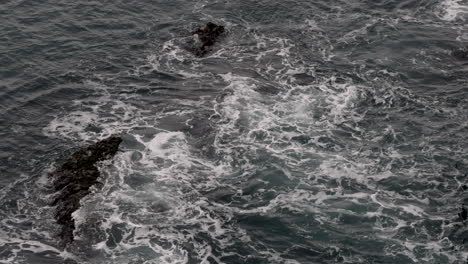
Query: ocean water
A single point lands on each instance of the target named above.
(313, 132)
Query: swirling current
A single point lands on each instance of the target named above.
(312, 132)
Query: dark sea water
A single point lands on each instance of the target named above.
(314, 131)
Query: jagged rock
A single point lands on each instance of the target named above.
(207, 37)
(74, 178)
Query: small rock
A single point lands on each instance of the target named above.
(463, 214)
(207, 36)
(461, 53)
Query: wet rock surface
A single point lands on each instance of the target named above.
(72, 181)
(207, 36)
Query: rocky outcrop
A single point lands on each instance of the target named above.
(72, 181)
(207, 37)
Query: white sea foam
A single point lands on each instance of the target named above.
(156, 193)
(20, 245)
(453, 10)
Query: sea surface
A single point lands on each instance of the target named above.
(313, 132)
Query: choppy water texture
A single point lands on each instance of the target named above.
(314, 132)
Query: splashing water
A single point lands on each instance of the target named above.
(312, 133)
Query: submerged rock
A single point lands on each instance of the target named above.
(73, 180)
(207, 36)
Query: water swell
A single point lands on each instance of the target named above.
(281, 146)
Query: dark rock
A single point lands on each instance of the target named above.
(461, 53)
(463, 214)
(74, 178)
(207, 35)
